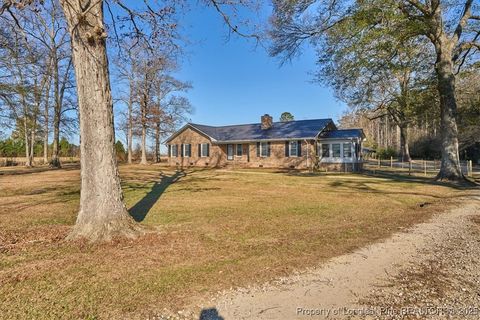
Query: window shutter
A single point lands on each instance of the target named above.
(258, 149)
(299, 148)
(181, 150)
(199, 150)
(169, 151)
(287, 147)
(208, 149)
(268, 149)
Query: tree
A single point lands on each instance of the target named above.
(102, 212)
(286, 117)
(386, 75)
(170, 108)
(21, 94)
(452, 28)
(468, 94)
(120, 150)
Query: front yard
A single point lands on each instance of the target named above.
(208, 230)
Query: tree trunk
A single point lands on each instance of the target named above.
(144, 143)
(404, 148)
(144, 130)
(55, 162)
(450, 166)
(46, 128)
(102, 212)
(28, 159)
(130, 126)
(32, 143)
(157, 142)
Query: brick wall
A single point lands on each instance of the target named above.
(249, 158)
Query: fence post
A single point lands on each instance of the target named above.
(434, 164)
(410, 167)
(425, 167)
(379, 162)
(391, 162)
(470, 168)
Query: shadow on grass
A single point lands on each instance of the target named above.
(464, 185)
(14, 171)
(140, 210)
(392, 176)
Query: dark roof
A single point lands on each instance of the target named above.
(343, 133)
(302, 129)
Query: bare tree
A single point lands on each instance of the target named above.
(102, 212)
(24, 65)
(169, 110)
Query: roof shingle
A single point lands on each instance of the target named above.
(302, 129)
(342, 134)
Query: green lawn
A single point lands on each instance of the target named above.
(208, 230)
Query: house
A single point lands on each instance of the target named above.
(294, 144)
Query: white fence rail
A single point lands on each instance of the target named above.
(427, 167)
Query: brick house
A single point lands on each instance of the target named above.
(294, 144)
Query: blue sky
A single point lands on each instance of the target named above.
(236, 82)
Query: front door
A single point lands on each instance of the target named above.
(229, 151)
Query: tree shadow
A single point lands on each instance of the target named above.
(140, 210)
(462, 185)
(15, 171)
(210, 314)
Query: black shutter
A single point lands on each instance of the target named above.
(169, 151)
(208, 149)
(299, 148)
(268, 150)
(181, 150)
(199, 150)
(258, 149)
(287, 152)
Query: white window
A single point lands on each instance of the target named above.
(205, 150)
(264, 149)
(187, 150)
(347, 150)
(325, 150)
(239, 150)
(336, 150)
(230, 151)
(293, 149)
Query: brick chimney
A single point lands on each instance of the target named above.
(267, 122)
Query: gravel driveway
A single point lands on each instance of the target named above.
(430, 271)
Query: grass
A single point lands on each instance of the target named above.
(212, 229)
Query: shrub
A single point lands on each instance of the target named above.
(386, 153)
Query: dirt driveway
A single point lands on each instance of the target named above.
(430, 271)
